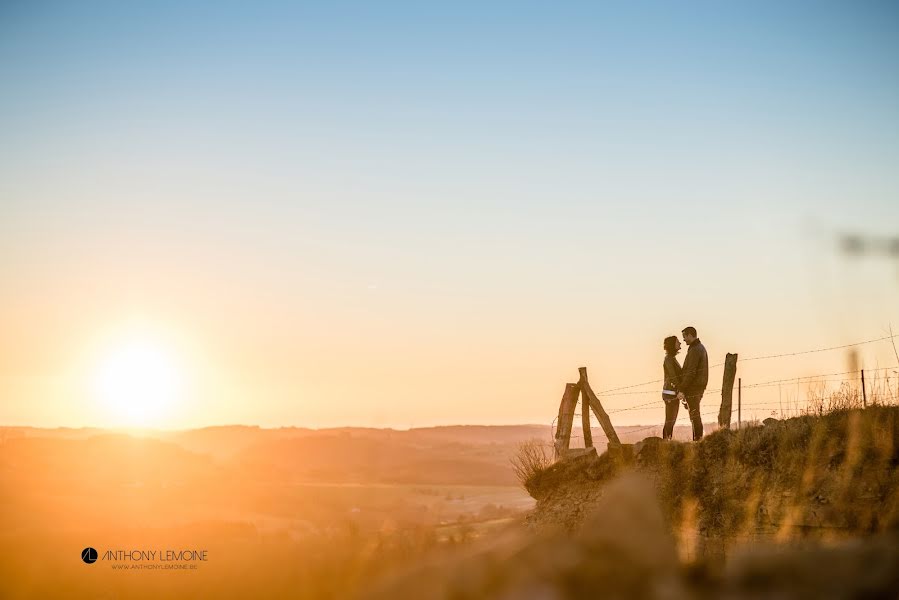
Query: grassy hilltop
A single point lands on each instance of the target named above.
(801, 508)
(823, 477)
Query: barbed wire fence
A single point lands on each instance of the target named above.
(793, 407)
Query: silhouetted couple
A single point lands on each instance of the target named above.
(684, 384)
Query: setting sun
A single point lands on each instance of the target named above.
(139, 381)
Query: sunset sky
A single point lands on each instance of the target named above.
(385, 214)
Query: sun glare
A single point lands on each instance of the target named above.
(139, 382)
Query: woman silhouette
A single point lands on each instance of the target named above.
(672, 371)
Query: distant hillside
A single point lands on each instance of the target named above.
(456, 455)
(354, 458)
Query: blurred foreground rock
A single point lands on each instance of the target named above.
(624, 550)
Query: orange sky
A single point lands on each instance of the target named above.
(306, 231)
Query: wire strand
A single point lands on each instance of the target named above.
(769, 356)
(881, 339)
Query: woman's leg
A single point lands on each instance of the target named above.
(671, 408)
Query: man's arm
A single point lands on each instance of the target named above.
(688, 374)
(704, 364)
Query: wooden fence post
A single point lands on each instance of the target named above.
(566, 418)
(585, 421)
(864, 392)
(601, 415)
(727, 391)
(740, 403)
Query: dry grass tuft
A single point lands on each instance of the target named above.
(533, 457)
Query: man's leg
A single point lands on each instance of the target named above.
(695, 416)
(671, 408)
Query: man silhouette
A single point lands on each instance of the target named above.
(694, 379)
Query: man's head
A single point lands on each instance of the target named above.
(689, 334)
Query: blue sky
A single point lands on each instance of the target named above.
(300, 183)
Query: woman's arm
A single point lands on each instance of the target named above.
(672, 371)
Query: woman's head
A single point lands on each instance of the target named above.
(671, 344)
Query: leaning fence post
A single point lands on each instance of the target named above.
(585, 421)
(601, 415)
(566, 417)
(727, 391)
